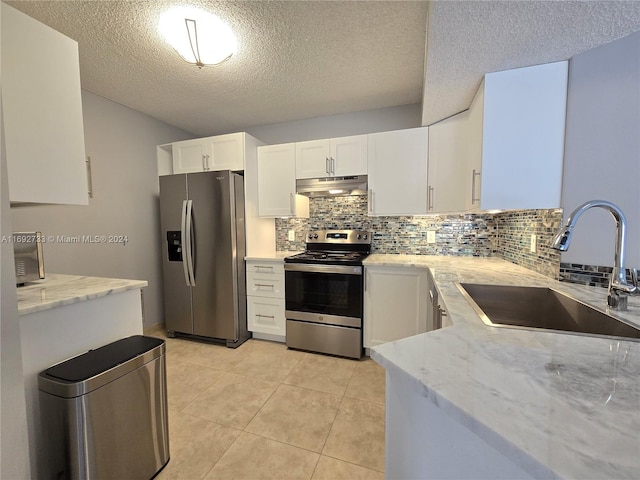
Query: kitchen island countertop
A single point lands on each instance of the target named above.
(556, 405)
(57, 290)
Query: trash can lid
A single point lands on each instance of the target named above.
(95, 362)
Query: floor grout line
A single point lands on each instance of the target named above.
(278, 383)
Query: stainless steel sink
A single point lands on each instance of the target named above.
(542, 308)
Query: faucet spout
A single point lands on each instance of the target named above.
(619, 288)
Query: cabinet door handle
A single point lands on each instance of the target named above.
(327, 168)
(431, 296)
(292, 207)
(89, 178)
(474, 174)
(430, 198)
(370, 200)
(333, 166)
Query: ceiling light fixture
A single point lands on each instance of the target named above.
(199, 37)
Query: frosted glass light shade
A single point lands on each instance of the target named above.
(198, 36)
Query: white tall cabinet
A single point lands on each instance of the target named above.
(395, 303)
(42, 109)
(398, 172)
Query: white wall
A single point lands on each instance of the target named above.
(14, 451)
(602, 149)
(122, 145)
(369, 121)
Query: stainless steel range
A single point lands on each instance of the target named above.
(324, 293)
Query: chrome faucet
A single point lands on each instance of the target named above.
(619, 288)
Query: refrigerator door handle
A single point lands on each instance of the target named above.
(185, 248)
(189, 242)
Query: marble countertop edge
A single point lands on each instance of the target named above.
(501, 444)
(58, 290)
(462, 392)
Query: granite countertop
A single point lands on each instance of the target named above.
(57, 290)
(557, 405)
(277, 256)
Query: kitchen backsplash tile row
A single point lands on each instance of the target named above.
(468, 235)
(506, 235)
(513, 239)
(593, 275)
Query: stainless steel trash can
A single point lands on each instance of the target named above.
(104, 413)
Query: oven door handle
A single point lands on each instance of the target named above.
(313, 268)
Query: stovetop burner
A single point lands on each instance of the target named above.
(343, 247)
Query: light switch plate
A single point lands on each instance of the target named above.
(292, 235)
(533, 243)
(431, 236)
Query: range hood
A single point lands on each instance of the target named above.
(332, 186)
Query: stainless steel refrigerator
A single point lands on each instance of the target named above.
(203, 247)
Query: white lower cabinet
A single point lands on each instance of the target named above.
(266, 315)
(265, 299)
(395, 303)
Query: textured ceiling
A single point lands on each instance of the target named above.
(295, 60)
(470, 38)
(305, 59)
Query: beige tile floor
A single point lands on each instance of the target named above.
(262, 411)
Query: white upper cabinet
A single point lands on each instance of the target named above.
(189, 156)
(449, 182)
(277, 182)
(42, 111)
(398, 172)
(222, 152)
(516, 138)
(344, 156)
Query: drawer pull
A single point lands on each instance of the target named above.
(265, 316)
(266, 267)
(264, 285)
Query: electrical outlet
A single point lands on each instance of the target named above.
(431, 236)
(533, 243)
(292, 235)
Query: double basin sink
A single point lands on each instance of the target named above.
(540, 308)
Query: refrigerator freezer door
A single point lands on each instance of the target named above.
(177, 293)
(214, 296)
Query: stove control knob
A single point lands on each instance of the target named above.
(315, 236)
(310, 236)
(364, 237)
(359, 236)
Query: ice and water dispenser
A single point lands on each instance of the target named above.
(174, 246)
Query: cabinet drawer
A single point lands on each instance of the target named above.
(261, 285)
(266, 315)
(265, 268)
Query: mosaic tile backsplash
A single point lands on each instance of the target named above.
(506, 235)
(593, 275)
(513, 239)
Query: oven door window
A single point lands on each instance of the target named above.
(324, 293)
